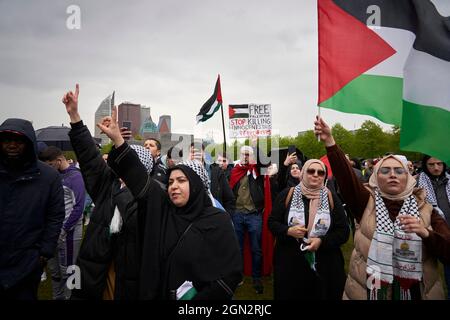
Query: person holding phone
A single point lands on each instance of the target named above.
(310, 225)
(289, 173)
(400, 236)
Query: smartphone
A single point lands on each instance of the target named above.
(292, 149)
(126, 124)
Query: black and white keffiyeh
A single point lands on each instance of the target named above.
(200, 170)
(425, 182)
(322, 219)
(394, 255)
(144, 155)
(147, 160)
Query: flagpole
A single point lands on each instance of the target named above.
(223, 127)
(318, 136)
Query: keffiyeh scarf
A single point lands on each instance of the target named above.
(147, 160)
(321, 222)
(395, 257)
(425, 182)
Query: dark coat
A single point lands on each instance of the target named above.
(207, 253)
(293, 278)
(99, 249)
(31, 210)
(221, 190)
(159, 173)
(256, 190)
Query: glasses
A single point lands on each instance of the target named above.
(397, 170)
(320, 172)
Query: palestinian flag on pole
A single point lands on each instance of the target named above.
(390, 60)
(238, 111)
(212, 105)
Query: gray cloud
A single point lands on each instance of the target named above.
(164, 54)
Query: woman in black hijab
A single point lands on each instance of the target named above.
(189, 247)
(293, 174)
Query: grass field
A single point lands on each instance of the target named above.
(245, 291)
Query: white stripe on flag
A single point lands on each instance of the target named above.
(239, 109)
(427, 80)
(399, 39)
(211, 110)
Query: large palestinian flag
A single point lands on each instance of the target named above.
(389, 59)
(212, 105)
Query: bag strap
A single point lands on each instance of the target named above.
(289, 197)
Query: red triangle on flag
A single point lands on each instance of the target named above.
(347, 48)
(231, 112)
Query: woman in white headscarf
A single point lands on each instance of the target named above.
(399, 236)
(310, 225)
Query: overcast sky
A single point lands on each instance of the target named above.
(165, 54)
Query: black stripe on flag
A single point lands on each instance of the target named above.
(418, 16)
(389, 12)
(238, 111)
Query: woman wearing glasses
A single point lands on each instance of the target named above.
(399, 236)
(310, 225)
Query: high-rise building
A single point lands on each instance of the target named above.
(145, 113)
(129, 115)
(103, 110)
(164, 125)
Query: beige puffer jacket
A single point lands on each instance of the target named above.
(355, 286)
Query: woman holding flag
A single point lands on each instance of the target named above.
(400, 236)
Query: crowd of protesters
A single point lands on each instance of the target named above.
(168, 226)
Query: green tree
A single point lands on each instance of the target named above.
(370, 141)
(308, 144)
(343, 137)
(106, 148)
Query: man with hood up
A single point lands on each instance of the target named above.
(31, 211)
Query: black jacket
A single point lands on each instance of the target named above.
(293, 278)
(208, 255)
(99, 249)
(256, 190)
(159, 173)
(31, 210)
(221, 190)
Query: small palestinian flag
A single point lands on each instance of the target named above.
(212, 105)
(186, 291)
(390, 60)
(238, 111)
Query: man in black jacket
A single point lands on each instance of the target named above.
(31, 211)
(223, 163)
(248, 187)
(159, 172)
(220, 188)
(436, 182)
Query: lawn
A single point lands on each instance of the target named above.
(245, 291)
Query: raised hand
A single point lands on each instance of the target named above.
(290, 159)
(412, 224)
(323, 130)
(70, 100)
(110, 127)
(126, 134)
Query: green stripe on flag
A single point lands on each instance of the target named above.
(189, 295)
(426, 129)
(377, 96)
